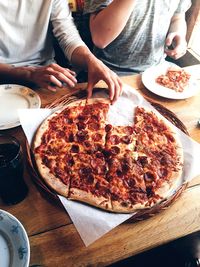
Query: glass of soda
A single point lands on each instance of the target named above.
(12, 186)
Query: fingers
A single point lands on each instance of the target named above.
(169, 39)
(177, 52)
(89, 89)
(114, 85)
(179, 45)
(117, 88)
(63, 75)
(53, 81)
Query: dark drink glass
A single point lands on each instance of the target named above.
(12, 186)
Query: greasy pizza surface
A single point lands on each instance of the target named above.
(118, 168)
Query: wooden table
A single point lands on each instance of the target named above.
(53, 238)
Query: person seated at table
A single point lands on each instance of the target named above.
(26, 47)
(131, 35)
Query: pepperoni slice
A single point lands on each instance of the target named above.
(82, 136)
(163, 172)
(114, 139)
(81, 125)
(94, 118)
(97, 137)
(170, 137)
(142, 160)
(75, 149)
(108, 128)
(114, 150)
(119, 173)
(90, 179)
(61, 134)
(114, 162)
(82, 118)
(85, 171)
(128, 130)
(93, 126)
(126, 139)
(70, 162)
(149, 177)
(97, 162)
(71, 138)
(101, 169)
(46, 161)
(99, 155)
(130, 182)
(106, 153)
(114, 197)
(87, 144)
(87, 109)
(125, 168)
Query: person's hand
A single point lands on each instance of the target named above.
(52, 76)
(98, 71)
(178, 44)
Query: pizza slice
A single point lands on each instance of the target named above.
(119, 139)
(88, 180)
(127, 186)
(160, 153)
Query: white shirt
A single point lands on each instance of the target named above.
(26, 31)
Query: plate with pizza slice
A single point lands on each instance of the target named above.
(170, 81)
(79, 154)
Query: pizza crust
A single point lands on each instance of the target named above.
(53, 182)
(127, 207)
(88, 197)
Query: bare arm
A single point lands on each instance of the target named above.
(106, 25)
(177, 37)
(45, 76)
(14, 74)
(42, 76)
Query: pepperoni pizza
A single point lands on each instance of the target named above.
(118, 168)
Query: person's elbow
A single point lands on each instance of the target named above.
(99, 40)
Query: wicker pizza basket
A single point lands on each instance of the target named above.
(52, 196)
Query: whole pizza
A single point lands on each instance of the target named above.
(117, 168)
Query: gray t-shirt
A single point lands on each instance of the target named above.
(141, 42)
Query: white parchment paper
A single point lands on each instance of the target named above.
(90, 222)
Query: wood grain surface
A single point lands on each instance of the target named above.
(53, 238)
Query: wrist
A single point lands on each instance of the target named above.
(20, 73)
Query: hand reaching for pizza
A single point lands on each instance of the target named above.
(52, 76)
(98, 71)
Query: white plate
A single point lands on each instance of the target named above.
(14, 243)
(12, 98)
(149, 80)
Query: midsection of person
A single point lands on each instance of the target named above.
(142, 41)
(24, 39)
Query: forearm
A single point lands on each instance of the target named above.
(106, 25)
(14, 74)
(81, 56)
(178, 24)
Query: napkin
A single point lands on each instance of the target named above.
(90, 222)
